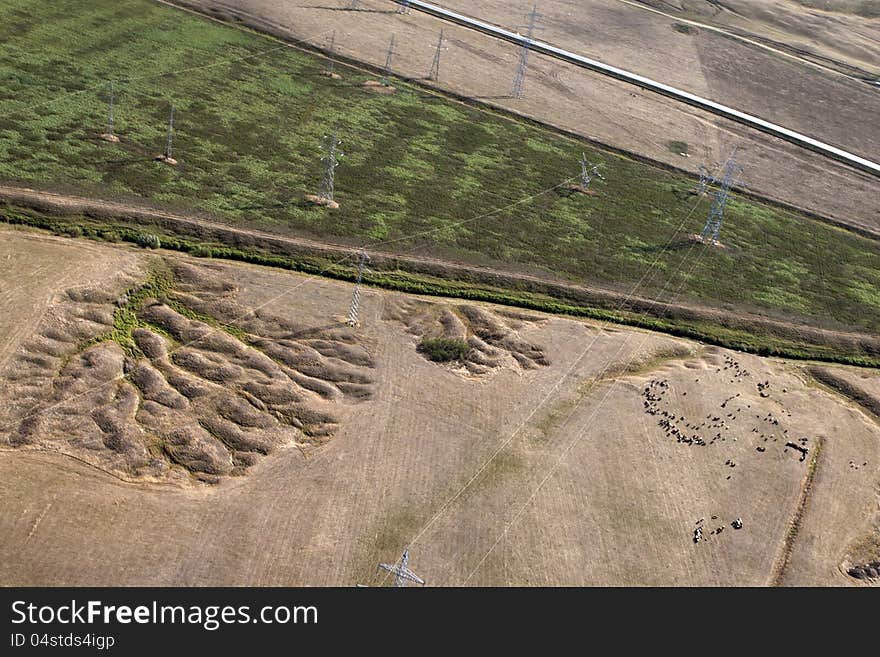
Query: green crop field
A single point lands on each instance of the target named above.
(417, 169)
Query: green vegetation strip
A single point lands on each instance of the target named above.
(159, 286)
(249, 127)
(755, 338)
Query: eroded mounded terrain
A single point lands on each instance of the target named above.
(165, 373)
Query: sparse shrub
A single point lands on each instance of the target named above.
(444, 350)
(684, 29)
(677, 147)
(147, 240)
(201, 251)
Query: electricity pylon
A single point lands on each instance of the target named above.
(332, 50)
(402, 573)
(716, 214)
(389, 58)
(331, 161)
(434, 73)
(110, 112)
(167, 153)
(588, 172)
(522, 67)
(355, 307)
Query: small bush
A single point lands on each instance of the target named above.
(677, 147)
(201, 251)
(444, 350)
(147, 240)
(684, 29)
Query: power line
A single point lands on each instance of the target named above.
(571, 445)
(645, 278)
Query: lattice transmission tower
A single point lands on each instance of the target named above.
(719, 203)
(403, 7)
(389, 59)
(331, 63)
(522, 67)
(588, 172)
(110, 111)
(402, 573)
(355, 307)
(170, 138)
(331, 161)
(705, 179)
(434, 73)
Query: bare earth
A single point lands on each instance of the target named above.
(827, 105)
(560, 452)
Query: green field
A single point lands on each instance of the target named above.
(417, 168)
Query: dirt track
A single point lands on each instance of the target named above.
(617, 114)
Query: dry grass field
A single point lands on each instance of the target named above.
(827, 105)
(189, 422)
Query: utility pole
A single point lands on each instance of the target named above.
(434, 73)
(522, 67)
(716, 214)
(389, 57)
(402, 573)
(331, 161)
(355, 307)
